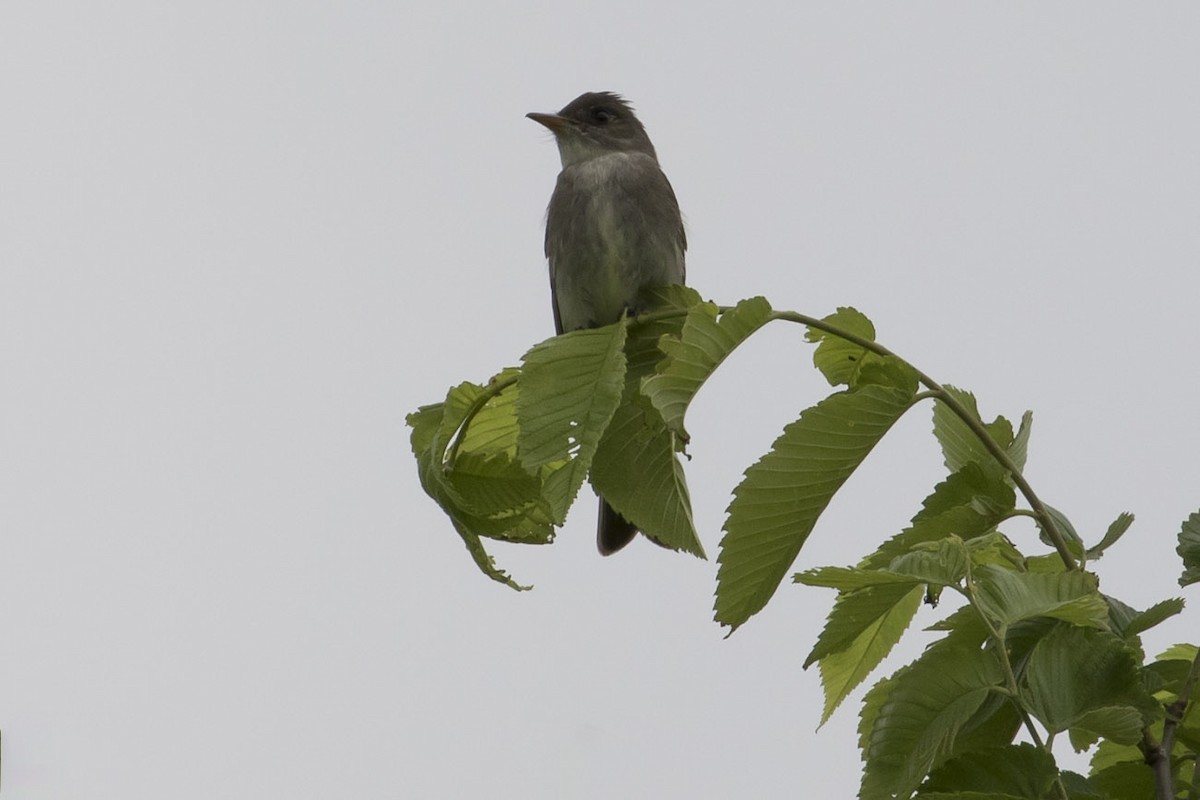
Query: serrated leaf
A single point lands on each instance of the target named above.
(966, 504)
(849, 579)
(510, 509)
(1013, 770)
(1121, 724)
(1115, 531)
(1018, 450)
(1178, 652)
(1145, 620)
(1173, 665)
(960, 445)
(1125, 779)
(1189, 550)
(635, 467)
(483, 560)
(855, 612)
(1079, 787)
(964, 628)
(693, 356)
(570, 388)
(638, 473)
(886, 371)
(1007, 596)
(1001, 431)
(453, 412)
(490, 486)
(838, 359)
(969, 796)
(429, 425)
(1072, 671)
(671, 297)
(862, 629)
(996, 548)
(777, 504)
(1073, 540)
(941, 564)
(494, 428)
(424, 422)
(872, 704)
(1110, 753)
(927, 705)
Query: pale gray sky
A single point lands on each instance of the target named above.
(240, 241)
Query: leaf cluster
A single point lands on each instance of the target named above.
(1032, 653)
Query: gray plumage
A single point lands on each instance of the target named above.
(613, 227)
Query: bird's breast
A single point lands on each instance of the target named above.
(613, 228)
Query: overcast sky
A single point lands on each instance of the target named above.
(240, 241)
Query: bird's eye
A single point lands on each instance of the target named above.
(601, 115)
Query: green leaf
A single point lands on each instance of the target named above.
(886, 371)
(968, 796)
(1079, 787)
(635, 467)
(1125, 779)
(927, 705)
(968, 503)
(1115, 531)
(1073, 539)
(1018, 450)
(490, 486)
(1173, 665)
(1141, 621)
(862, 629)
(425, 422)
(838, 359)
(964, 628)
(1121, 724)
(777, 504)
(672, 297)
(996, 548)
(960, 445)
(1013, 770)
(693, 356)
(494, 428)
(1189, 550)
(642, 354)
(1178, 652)
(1001, 431)
(868, 715)
(1007, 596)
(570, 388)
(638, 473)
(430, 425)
(848, 578)
(482, 558)
(872, 612)
(942, 563)
(854, 612)
(1074, 671)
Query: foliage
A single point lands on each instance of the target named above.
(1032, 652)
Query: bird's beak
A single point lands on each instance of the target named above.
(552, 121)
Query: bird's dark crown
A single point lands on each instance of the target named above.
(598, 108)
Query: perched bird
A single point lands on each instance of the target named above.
(612, 228)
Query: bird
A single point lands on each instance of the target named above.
(613, 228)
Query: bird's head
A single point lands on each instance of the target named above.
(596, 124)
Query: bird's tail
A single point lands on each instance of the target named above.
(613, 531)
